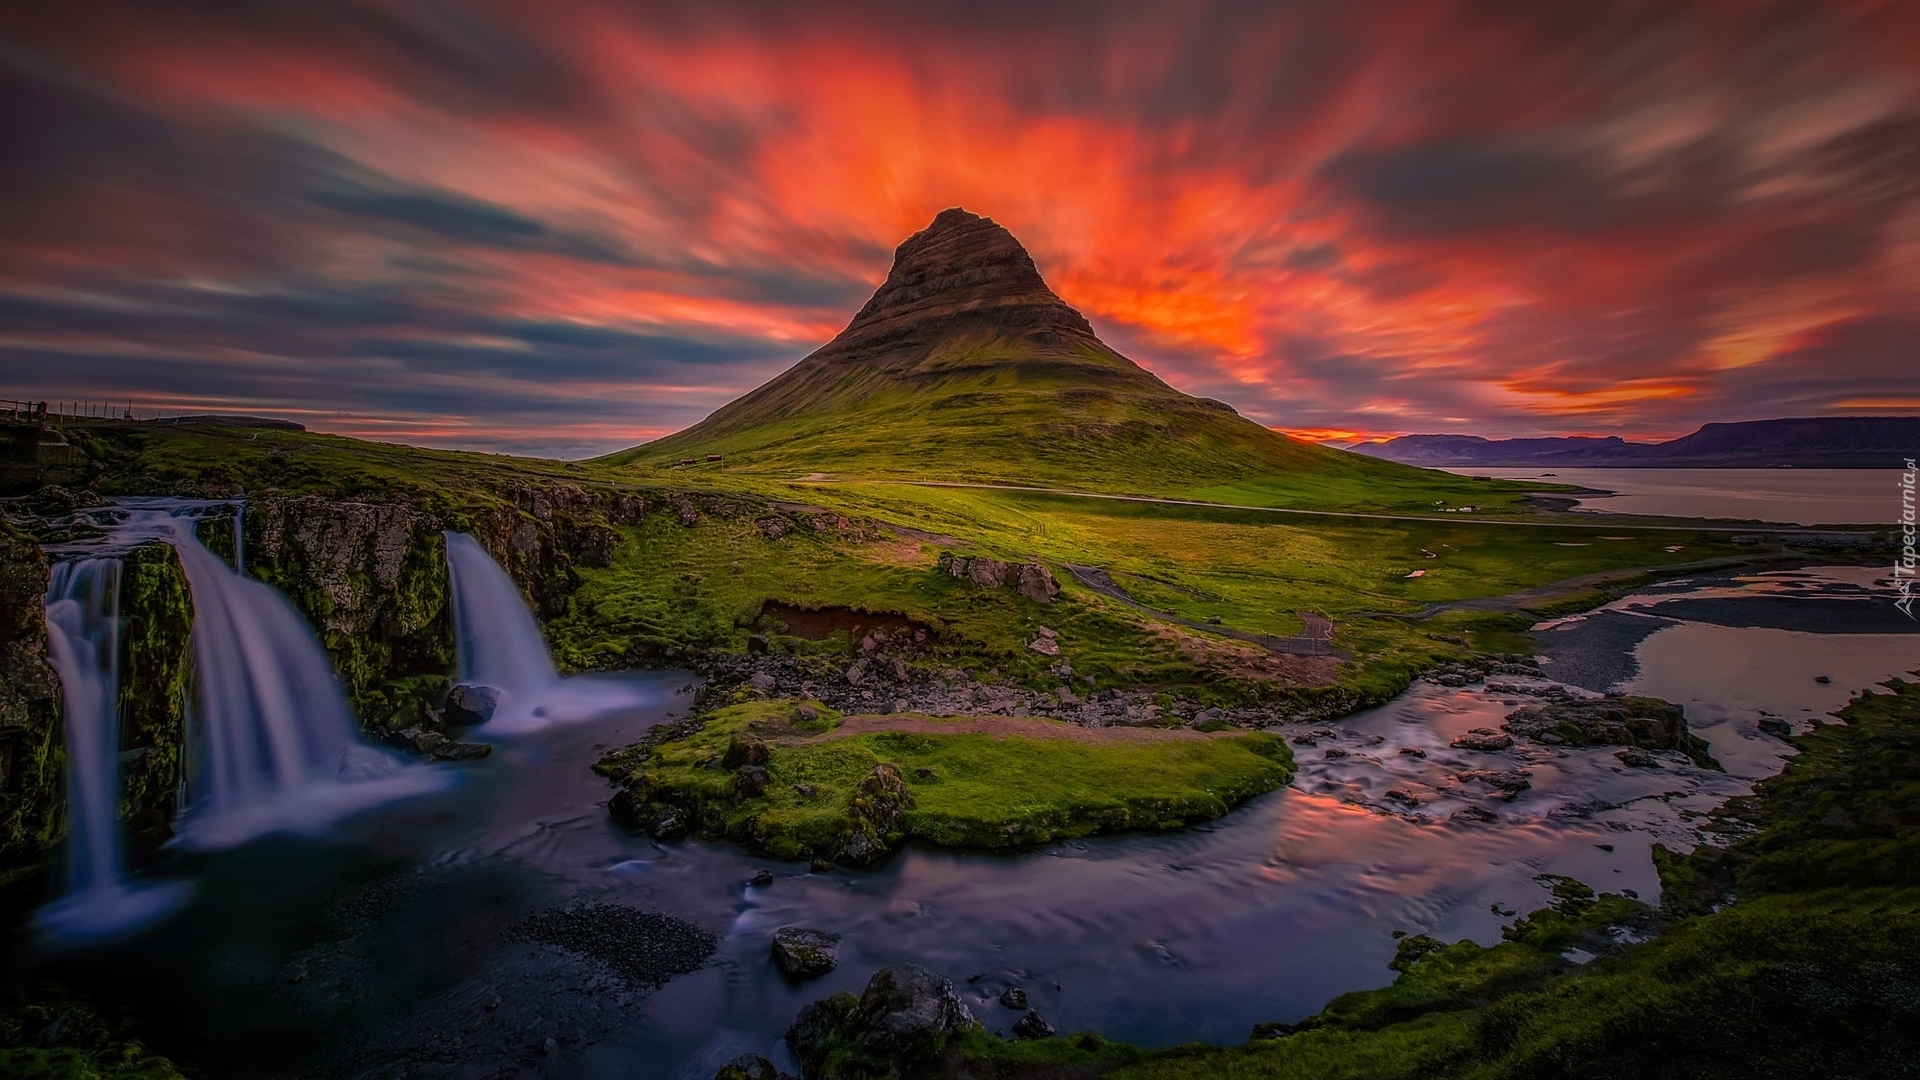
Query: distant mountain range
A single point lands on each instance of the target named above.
(1842, 442)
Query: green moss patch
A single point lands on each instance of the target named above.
(991, 782)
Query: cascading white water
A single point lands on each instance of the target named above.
(83, 639)
(272, 745)
(500, 646)
(499, 643)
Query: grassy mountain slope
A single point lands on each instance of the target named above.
(964, 366)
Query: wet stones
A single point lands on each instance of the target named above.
(1014, 998)
(801, 953)
(1645, 722)
(1636, 758)
(1471, 814)
(1032, 1026)
(1483, 739)
(1507, 784)
(469, 705)
(1776, 726)
(904, 1017)
(748, 1067)
(438, 746)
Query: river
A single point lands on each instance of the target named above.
(387, 944)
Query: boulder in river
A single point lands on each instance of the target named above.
(748, 1067)
(1013, 998)
(1483, 739)
(1629, 720)
(903, 1018)
(469, 704)
(1032, 1026)
(801, 953)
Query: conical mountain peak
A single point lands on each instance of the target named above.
(962, 264)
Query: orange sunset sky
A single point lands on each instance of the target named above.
(570, 226)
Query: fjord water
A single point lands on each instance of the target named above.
(387, 945)
(1787, 496)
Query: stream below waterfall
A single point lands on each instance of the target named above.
(387, 943)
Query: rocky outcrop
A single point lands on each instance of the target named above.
(877, 818)
(1030, 579)
(900, 1022)
(156, 672)
(372, 578)
(30, 756)
(801, 953)
(1645, 722)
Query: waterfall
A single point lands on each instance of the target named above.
(499, 645)
(83, 638)
(271, 743)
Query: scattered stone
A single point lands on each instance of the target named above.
(1404, 798)
(1776, 726)
(1045, 646)
(1473, 813)
(758, 643)
(468, 704)
(748, 1067)
(667, 824)
(1014, 998)
(762, 680)
(1335, 752)
(1646, 722)
(744, 749)
(820, 866)
(1032, 1026)
(1508, 782)
(1412, 751)
(645, 947)
(1636, 758)
(751, 780)
(801, 953)
(1604, 847)
(903, 1018)
(1483, 739)
(1823, 680)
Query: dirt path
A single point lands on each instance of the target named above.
(1314, 640)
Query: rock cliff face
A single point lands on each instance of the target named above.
(372, 578)
(30, 756)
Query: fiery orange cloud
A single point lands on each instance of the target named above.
(1340, 222)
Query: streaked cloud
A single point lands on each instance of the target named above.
(570, 226)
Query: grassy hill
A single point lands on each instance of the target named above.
(964, 366)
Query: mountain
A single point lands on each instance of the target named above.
(965, 365)
(1832, 442)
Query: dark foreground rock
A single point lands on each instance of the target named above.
(1648, 723)
(801, 953)
(645, 947)
(903, 1019)
(469, 705)
(878, 817)
(749, 1067)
